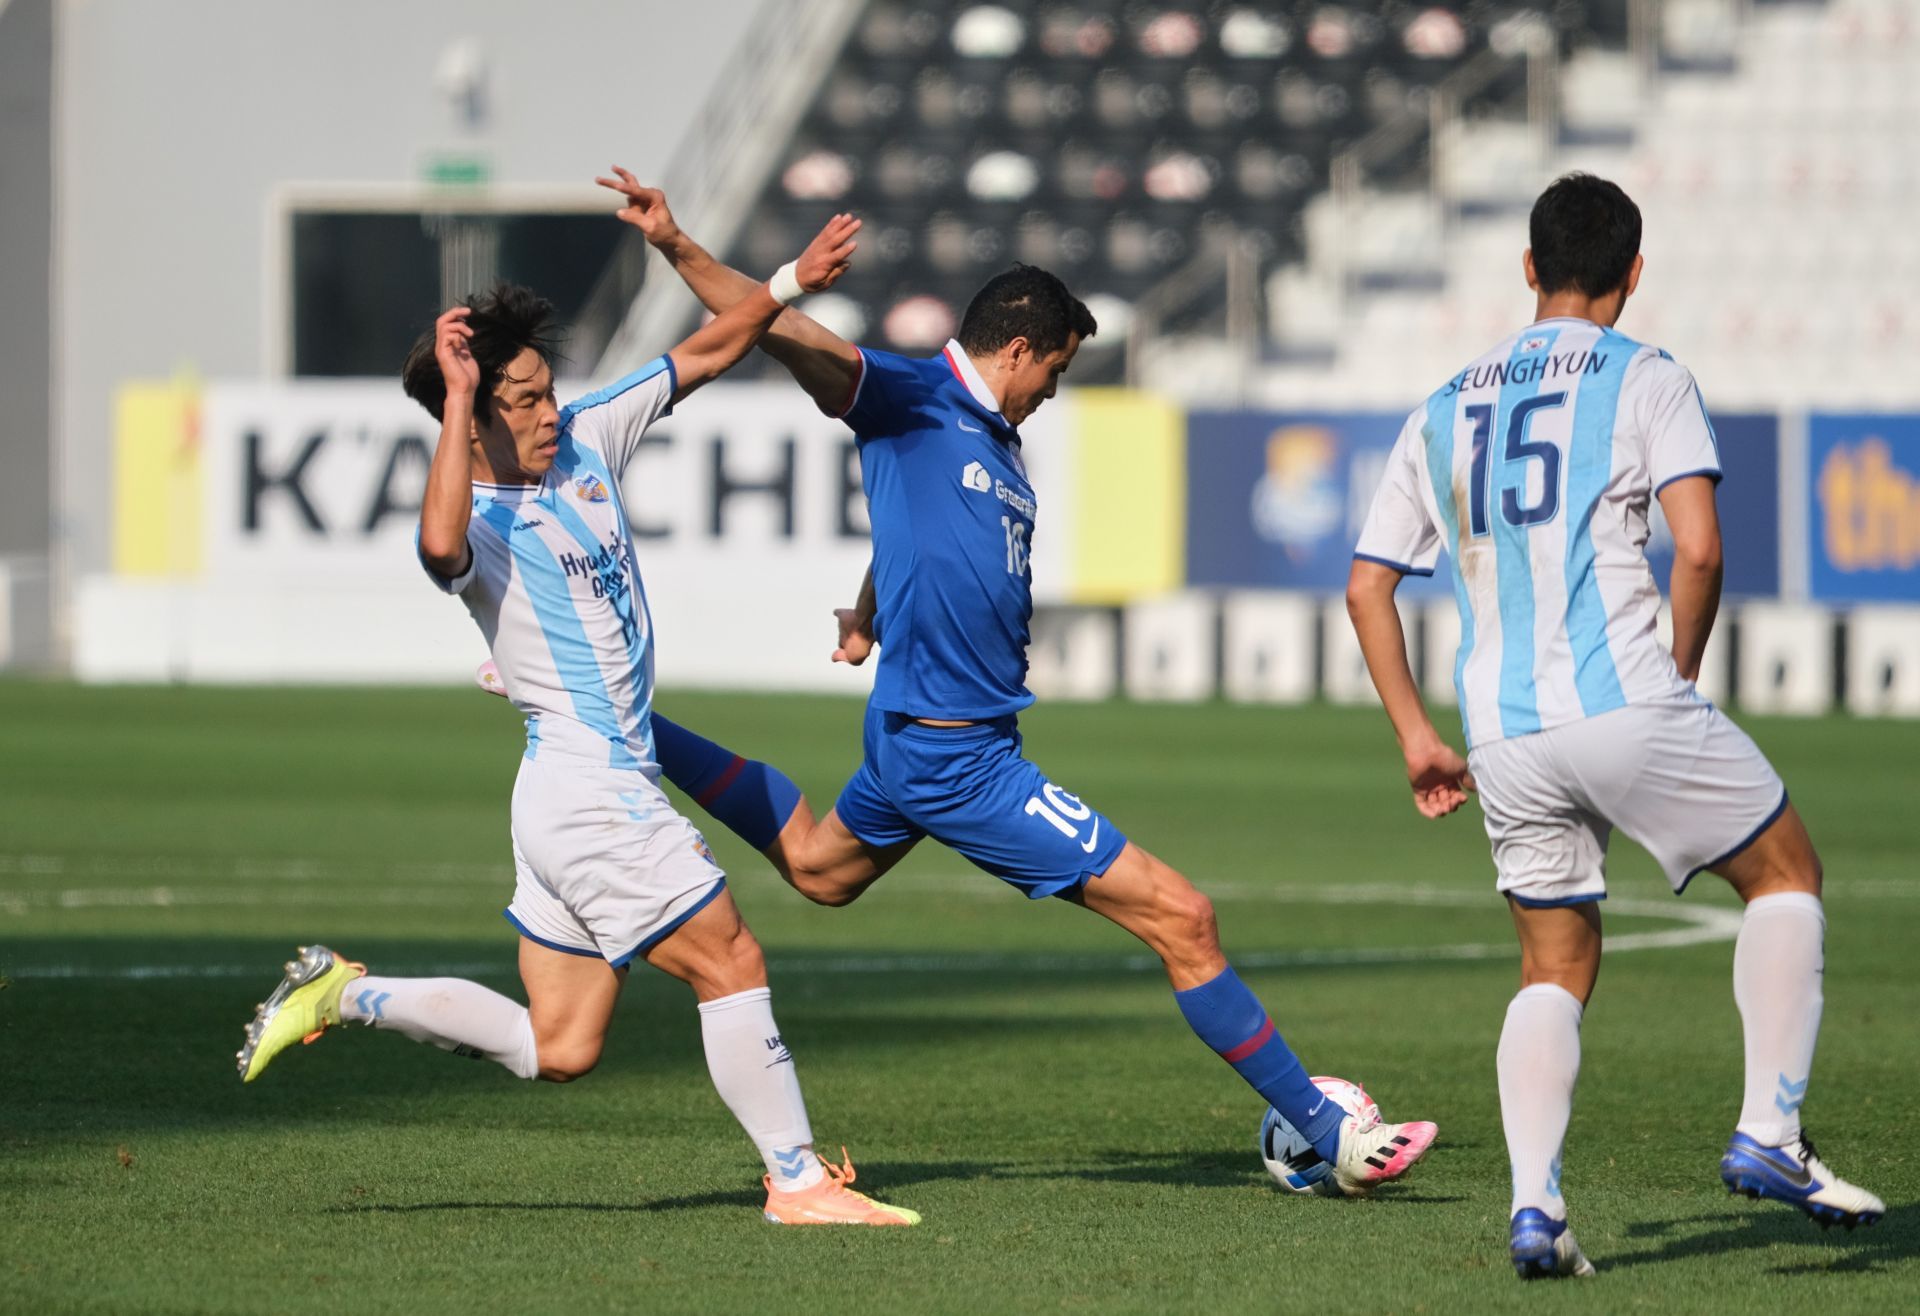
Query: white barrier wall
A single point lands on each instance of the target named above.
(1072, 654)
(1268, 647)
(1786, 658)
(1715, 681)
(1171, 649)
(1343, 668)
(1883, 662)
(1439, 644)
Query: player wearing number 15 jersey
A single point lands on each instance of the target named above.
(948, 602)
(1535, 467)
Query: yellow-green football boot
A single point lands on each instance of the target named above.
(303, 1006)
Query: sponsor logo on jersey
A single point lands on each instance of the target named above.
(971, 429)
(975, 477)
(1013, 498)
(528, 524)
(590, 489)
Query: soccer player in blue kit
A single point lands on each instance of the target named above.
(947, 602)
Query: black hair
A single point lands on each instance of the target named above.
(505, 322)
(1585, 233)
(1024, 302)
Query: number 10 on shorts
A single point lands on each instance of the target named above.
(1063, 810)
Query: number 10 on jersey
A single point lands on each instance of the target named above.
(1016, 545)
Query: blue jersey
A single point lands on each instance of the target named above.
(952, 516)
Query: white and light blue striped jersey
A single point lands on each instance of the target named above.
(555, 589)
(1534, 467)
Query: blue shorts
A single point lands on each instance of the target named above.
(969, 789)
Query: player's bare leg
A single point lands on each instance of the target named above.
(715, 955)
(1162, 908)
(570, 1001)
(1539, 1063)
(1559, 946)
(827, 863)
(1778, 967)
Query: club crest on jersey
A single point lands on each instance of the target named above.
(590, 489)
(975, 477)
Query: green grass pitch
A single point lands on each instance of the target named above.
(1013, 1071)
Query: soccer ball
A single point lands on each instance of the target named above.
(1291, 1159)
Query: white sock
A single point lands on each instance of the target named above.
(1539, 1060)
(754, 1075)
(453, 1014)
(1777, 966)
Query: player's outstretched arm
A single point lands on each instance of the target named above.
(717, 346)
(820, 361)
(1695, 587)
(448, 502)
(1437, 773)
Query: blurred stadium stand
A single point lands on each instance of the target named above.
(1322, 204)
(1768, 146)
(1149, 153)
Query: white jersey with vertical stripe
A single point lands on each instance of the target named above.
(1535, 467)
(555, 589)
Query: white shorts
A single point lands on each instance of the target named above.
(603, 866)
(1681, 779)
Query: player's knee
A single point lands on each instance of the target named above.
(1189, 920)
(1571, 970)
(743, 966)
(1807, 874)
(563, 1059)
(822, 887)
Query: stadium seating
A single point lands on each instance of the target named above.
(971, 135)
(1772, 161)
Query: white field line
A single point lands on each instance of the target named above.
(1700, 924)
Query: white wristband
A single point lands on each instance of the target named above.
(785, 284)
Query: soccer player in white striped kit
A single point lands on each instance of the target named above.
(1534, 468)
(523, 519)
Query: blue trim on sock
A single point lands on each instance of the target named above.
(753, 800)
(757, 805)
(688, 760)
(538, 940)
(713, 893)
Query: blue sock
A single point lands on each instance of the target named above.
(1230, 1019)
(750, 799)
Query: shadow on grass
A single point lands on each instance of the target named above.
(1217, 1169)
(730, 1200)
(1861, 1251)
(895, 1175)
(158, 1052)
